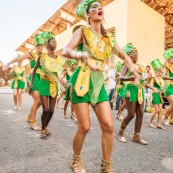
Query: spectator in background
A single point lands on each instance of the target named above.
(148, 74)
(147, 77)
(110, 81)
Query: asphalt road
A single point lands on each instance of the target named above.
(22, 151)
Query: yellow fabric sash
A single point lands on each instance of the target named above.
(83, 80)
(18, 71)
(140, 98)
(159, 81)
(50, 65)
(170, 68)
(16, 79)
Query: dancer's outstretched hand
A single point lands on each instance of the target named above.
(5, 67)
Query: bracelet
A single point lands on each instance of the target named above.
(76, 54)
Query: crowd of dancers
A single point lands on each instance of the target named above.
(82, 66)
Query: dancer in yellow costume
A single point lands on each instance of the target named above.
(134, 96)
(48, 86)
(168, 55)
(32, 57)
(18, 84)
(157, 82)
(86, 85)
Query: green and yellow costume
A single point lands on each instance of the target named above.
(18, 82)
(48, 79)
(158, 83)
(136, 93)
(157, 97)
(167, 55)
(87, 85)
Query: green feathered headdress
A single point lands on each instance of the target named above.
(168, 54)
(128, 48)
(156, 64)
(38, 39)
(47, 35)
(83, 7)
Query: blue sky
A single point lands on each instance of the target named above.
(19, 19)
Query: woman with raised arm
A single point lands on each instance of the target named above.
(48, 86)
(86, 85)
(168, 55)
(32, 57)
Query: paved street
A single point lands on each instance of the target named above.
(22, 151)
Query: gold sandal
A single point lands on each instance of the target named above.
(34, 125)
(28, 118)
(43, 134)
(136, 138)
(47, 132)
(76, 164)
(119, 116)
(106, 167)
(121, 131)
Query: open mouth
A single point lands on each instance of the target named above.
(100, 13)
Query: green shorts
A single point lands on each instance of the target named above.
(44, 88)
(133, 91)
(20, 85)
(35, 82)
(156, 100)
